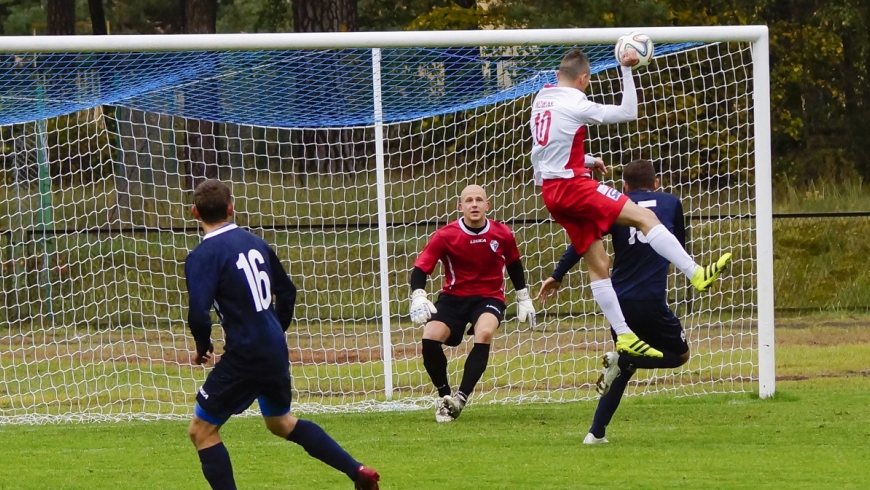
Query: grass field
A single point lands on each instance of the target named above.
(813, 434)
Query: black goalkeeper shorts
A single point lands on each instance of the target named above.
(457, 312)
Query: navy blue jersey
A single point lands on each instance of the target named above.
(639, 273)
(237, 272)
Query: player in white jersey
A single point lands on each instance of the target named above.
(586, 208)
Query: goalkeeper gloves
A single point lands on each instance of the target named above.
(525, 308)
(421, 307)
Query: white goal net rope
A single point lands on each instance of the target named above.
(101, 151)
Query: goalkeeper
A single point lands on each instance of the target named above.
(640, 278)
(474, 252)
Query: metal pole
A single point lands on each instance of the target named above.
(387, 341)
(764, 217)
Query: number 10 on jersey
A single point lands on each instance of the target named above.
(258, 281)
(542, 127)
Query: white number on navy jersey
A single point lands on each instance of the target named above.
(258, 281)
(632, 232)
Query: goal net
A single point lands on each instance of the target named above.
(346, 159)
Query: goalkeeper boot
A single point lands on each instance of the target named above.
(442, 412)
(704, 276)
(367, 479)
(628, 343)
(590, 439)
(608, 373)
(455, 404)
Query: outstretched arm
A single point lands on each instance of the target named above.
(627, 110)
(609, 114)
(569, 259)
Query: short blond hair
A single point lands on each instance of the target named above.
(574, 64)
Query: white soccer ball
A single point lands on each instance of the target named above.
(641, 43)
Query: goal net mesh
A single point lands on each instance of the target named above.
(101, 152)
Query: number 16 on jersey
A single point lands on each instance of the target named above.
(258, 281)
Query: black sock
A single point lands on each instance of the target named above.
(475, 365)
(668, 360)
(435, 363)
(317, 443)
(608, 403)
(217, 468)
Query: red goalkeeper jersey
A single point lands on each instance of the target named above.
(473, 262)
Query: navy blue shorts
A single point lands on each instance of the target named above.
(655, 323)
(226, 393)
(457, 312)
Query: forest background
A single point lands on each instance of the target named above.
(819, 49)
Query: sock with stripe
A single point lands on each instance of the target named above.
(605, 296)
(666, 244)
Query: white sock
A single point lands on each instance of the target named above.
(667, 245)
(605, 296)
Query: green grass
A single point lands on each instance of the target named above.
(812, 435)
(823, 196)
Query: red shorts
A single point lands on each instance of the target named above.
(584, 207)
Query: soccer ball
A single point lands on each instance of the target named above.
(638, 42)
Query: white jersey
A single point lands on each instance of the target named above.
(559, 119)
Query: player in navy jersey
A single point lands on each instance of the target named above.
(640, 277)
(474, 252)
(238, 273)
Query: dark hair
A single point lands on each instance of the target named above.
(639, 174)
(574, 64)
(212, 198)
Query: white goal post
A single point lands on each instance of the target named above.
(346, 151)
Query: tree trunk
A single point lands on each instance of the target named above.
(465, 3)
(98, 18)
(327, 150)
(200, 16)
(325, 15)
(61, 17)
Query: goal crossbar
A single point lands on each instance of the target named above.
(400, 39)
